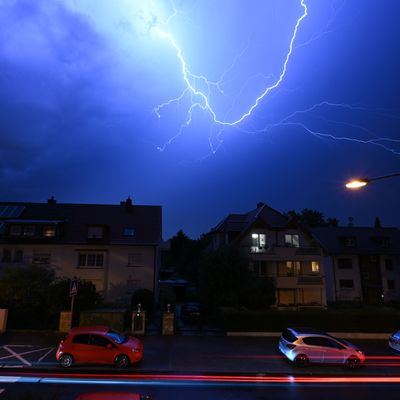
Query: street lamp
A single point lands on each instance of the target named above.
(361, 182)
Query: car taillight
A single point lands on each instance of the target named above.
(291, 346)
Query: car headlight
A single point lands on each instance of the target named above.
(134, 350)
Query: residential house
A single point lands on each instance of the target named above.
(277, 247)
(114, 246)
(361, 264)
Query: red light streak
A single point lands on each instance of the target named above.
(222, 378)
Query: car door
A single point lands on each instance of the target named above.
(103, 349)
(313, 349)
(334, 352)
(80, 348)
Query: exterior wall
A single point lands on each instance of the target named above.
(347, 274)
(125, 268)
(390, 274)
(302, 287)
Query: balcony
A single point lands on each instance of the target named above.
(309, 280)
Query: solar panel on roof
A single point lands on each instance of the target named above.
(11, 211)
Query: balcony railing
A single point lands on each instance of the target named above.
(309, 280)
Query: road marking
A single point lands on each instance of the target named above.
(17, 356)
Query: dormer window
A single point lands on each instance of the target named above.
(350, 241)
(385, 242)
(95, 232)
(258, 242)
(49, 231)
(292, 240)
(129, 232)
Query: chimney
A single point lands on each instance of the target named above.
(128, 204)
(51, 200)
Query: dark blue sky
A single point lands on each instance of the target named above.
(157, 100)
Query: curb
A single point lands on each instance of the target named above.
(344, 335)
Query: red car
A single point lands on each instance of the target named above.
(98, 345)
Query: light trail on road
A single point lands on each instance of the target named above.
(188, 380)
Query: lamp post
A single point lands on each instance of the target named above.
(361, 182)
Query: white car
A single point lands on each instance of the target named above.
(394, 341)
(304, 346)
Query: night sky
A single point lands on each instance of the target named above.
(205, 107)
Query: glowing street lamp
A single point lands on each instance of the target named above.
(361, 182)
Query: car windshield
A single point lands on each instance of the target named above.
(117, 337)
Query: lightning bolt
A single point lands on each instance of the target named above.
(200, 98)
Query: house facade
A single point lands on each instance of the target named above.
(277, 247)
(114, 246)
(361, 264)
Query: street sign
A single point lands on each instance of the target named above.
(73, 290)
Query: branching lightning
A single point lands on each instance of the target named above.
(200, 98)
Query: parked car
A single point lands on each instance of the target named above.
(394, 341)
(112, 396)
(99, 345)
(304, 346)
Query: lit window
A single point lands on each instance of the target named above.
(49, 231)
(292, 240)
(95, 232)
(292, 268)
(314, 266)
(129, 232)
(258, 242)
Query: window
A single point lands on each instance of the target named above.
(135, 260)
(288, 268)
(41, 258)
(258, 242)
(6, 255)
(29, 230)
(292, 240)
(315, 266)
(49, 231)
(95, 232)
(15, 230)
(129, 232)
(345, 263)
(350, 241)
(391, 284)
(90, 260)
(322, 342)
(389, 264)
(81, 339)
(346, 284)
(260, 268)
(97, 340)
(385, 242)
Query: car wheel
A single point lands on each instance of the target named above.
(66, 360)
(121, 361)
(353, 362)
(301, 360)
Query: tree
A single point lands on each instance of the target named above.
(312, 218)
(226, 280)
(35, 297)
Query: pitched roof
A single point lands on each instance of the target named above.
(241, 222)
(75, 219)
(367, 240)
